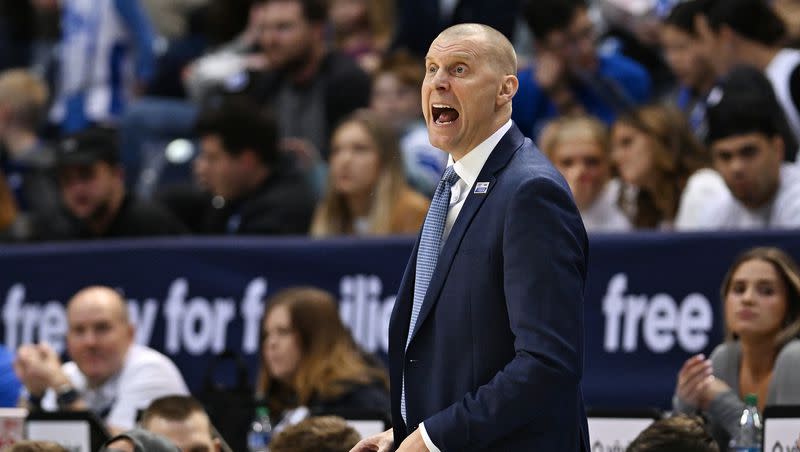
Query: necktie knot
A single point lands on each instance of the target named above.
(449, 177)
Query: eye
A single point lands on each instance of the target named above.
(432, 69)
(738, 288)
(766, 289)
(460, 69)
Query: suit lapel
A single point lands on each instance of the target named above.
(498, 159)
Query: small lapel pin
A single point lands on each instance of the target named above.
(481, 188)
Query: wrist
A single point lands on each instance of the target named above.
(66, 396)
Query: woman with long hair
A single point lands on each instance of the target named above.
(367, 193)
(761, 351)
(656, 154)
(309, 359)
(578, 147)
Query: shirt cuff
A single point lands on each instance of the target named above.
(428, 443)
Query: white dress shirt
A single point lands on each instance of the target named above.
(468, 169)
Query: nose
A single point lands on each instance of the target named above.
(440, 79)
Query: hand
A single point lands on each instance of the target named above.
(413, 443)
(693, 378)
(38, 368)
(549, 70)
(382, 442)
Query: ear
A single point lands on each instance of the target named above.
(508, 88)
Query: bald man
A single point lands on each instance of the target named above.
(108, 375)
(486, 336)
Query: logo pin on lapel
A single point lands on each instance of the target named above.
(481, 188)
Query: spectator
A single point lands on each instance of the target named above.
(34, 446)
(109, 375)
(569, 76)
(258, 189)
(396, 100)
(749, 32)
(304, 79)
(138, 440)
(683, 433)
(316, 434)
(27, 161)
(688, 61)
(747, 149)
(8, 210)
(310, 363)
(182, 420)
(95, 199)
(9, 383)
(761, 352)
(93, 84)
(367, 193)
(579, 148)
(656, 153)
(362, 29)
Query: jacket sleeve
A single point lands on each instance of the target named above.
(544, 271)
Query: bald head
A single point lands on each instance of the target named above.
(100, 296)
(497, 46)
(99, 333)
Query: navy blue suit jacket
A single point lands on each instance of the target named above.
(496, 359)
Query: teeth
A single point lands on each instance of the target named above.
(441, 106)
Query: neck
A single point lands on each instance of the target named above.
(359, 204)
(758, 356)
(759, 55)
(19, 141)
(257, 178)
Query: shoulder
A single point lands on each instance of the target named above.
(619, 66)
(789, 356)
(141, 357)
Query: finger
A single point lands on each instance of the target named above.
(690, 380)
(692, 367)
(699, 388)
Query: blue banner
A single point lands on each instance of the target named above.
(652, 300)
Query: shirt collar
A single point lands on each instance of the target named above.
(469, 167)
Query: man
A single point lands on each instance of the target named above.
(257, 189)
(749, 32)
(316, 434)
(689, 62)
(486, 340)
(683, 433)
(182, 420)
(109, 375)
(93, 193)
(747, 149)
(569, 76)
(312, 87)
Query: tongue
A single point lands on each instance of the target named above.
(448, 115)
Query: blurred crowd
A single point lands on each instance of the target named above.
(123, 118)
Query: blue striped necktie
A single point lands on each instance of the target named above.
(430, 243)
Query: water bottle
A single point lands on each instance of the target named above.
(748, 438)
(260, 431)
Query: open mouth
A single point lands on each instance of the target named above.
(443, 114)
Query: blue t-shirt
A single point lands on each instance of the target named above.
(618, 80)
(9, 384)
